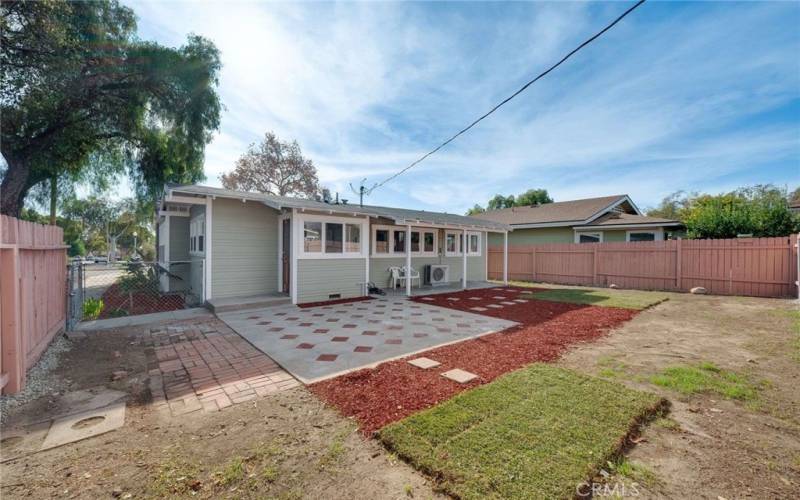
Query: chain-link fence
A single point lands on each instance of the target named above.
(113, 290)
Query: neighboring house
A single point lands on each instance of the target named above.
(220, 243)
(794, 206)
(592, 220)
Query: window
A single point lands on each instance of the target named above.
(429, 242)
(588, 237)
(334, 238)
(474, 244)
(312, 237)
(415, 242)
(352, 241)
(454, 244)
(391, 241)
(450, 247)
(399, 242)
(642, 236)
(331, 236)
(381, 241)
(197, 230)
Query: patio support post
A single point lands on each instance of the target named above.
(464, 246)
(505, 258)
(408, 260)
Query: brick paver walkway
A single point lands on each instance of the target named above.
(204, 365)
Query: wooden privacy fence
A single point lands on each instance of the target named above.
(32, 295)
(760, 267)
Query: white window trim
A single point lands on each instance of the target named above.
(598, 234)
(199, 220)
(402, 229)
(658, 234)
(459, 235)
(303, 218)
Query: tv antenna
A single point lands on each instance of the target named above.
(361, 191)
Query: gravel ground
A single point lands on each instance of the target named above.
(39, 382)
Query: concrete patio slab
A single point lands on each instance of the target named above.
(424, 363)
(144, 319)
(85, 425)
(459, 375)
(321, 342)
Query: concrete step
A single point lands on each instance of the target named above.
(249, 302)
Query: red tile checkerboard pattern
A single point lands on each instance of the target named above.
(204, 365)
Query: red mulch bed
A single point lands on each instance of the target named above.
(333, 302)
(143, 303)
(394, 390)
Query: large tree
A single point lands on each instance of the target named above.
(499, 202)
(274, 167)
(78, 86)
(673, 206)
(530, 197)
(761, 211)
(533, 197)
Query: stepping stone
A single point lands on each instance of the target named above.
(507, 303)
(454, 299)
(495, 306)
(424, 363)
(427, 298)
(474, 298)
(479, 309)
(521, 301)
(499, 297)
(459, 375)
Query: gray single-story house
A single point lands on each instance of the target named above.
(223, 244)
(591, 220)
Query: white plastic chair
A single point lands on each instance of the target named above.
(413, 274)
(395, 275)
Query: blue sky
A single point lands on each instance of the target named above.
(697, 96)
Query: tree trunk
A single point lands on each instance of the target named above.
(15, 186)
(53, 197)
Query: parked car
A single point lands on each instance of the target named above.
(100, 259)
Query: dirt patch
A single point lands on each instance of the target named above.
(711, 446)
(333, 302)
(117, 302)
(394, 390)
(285, 445)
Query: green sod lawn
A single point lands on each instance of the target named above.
(707, 377)
(626, 299)
(537, 432)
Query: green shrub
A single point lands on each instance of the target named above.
(92, 308)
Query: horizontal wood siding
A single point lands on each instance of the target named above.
(534, 236)
(244, 239)
(317, 279)
(379, 267)
(759, 267)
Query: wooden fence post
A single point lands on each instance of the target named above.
(797, 257)
(11, 329)
(678, 267)
(594, 263)
(533, 263)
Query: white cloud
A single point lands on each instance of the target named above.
(674, 97)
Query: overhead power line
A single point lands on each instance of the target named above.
(515, 94)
